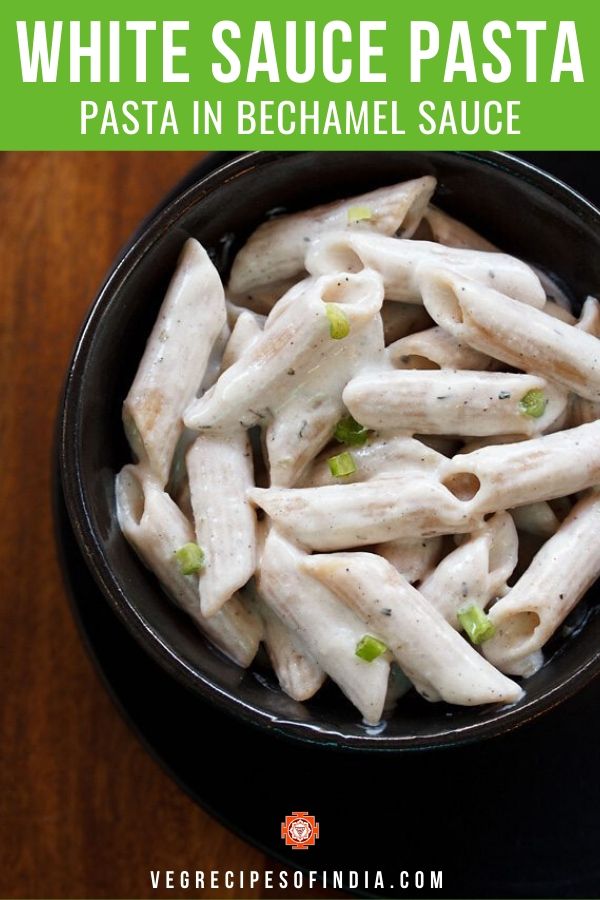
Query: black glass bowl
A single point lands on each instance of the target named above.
(518, 207)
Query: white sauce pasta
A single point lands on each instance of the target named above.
(348, 458)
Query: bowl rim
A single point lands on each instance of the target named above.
(151, 229)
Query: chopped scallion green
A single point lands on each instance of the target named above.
(369, 648)
(190, 558)
(349, 431)
(476, 623)
(339, 324)
(341, 465)
(533, 403)
(359, 213)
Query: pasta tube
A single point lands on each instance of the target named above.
(294, 344)
(476, 571)
(297, 672)
(523, 337)
(589, 321)
(261, 299)
(306, 421)
(297, 290)
(246, 330)
(434, 348)
(156, 528)
(491, 440)
(399, 263)
(446, 230)
(454, 402)
(560, 574)
(339, 516)
(413, 559)
(328, 629)
(542, 468)
(234, 311)
(536, 518)
(175, 359)
(213, 365)
(453, 233)
(551, 308)
(220, 471)
(439, 662)
(383, 454)
(275, 251)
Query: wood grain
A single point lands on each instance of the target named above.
(84, 811)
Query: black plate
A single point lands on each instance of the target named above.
(518, 816)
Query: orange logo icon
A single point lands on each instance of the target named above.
(300, 831)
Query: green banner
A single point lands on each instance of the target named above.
(134, 75)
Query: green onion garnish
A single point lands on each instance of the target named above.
(358, 213)
(533, 403)
(341, 465)
(349, 431)
(369, 648)
(190, 558)
(476, 623)
(339, 325)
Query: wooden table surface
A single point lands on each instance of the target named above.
(84, 811)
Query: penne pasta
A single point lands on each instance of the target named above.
(476, 571)
(399, 262)
(557, 302)
(305, 422)
(413, 559)
(261, 299)
(438, 661)
(297, 672)
(512, 475)
(551, 308)
(293, 345)
(520, 336)
(276, 250)
(583, 410)
(453, 402)
(536, 518)
(156, 528)
(435, 349)
(175, 360)
(220, 472)
(328, 629)
(339, 516)
(246, 330)
(234, 311)
(589, 320)
(213, 365)
(558, 577)
(297, 291)
(383, 454)
(452, 233)
(491, 440)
